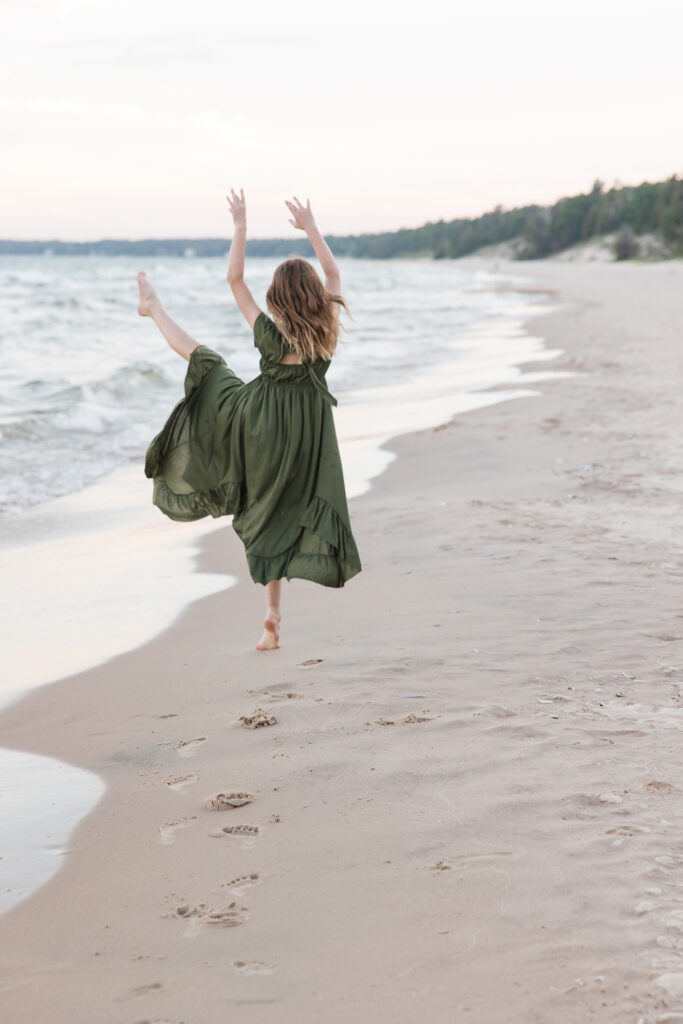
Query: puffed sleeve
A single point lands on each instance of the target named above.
(267, 339)
(202, 361)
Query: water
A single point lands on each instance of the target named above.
(85, 383)
(41, 802)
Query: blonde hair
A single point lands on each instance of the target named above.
(302, 310)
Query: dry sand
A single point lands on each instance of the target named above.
(470, 805)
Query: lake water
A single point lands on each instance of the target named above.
(85, 383)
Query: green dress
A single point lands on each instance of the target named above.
(264, 452)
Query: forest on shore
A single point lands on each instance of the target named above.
(625, 211)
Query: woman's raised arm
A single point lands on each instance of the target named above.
(243, 297)
(304, 220)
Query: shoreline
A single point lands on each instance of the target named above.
(112, 521)
(457, 840)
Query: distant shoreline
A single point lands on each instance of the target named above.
(645, 221)
(152, 247)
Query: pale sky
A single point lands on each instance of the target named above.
(132, 119)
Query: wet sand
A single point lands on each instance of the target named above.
(469, 806)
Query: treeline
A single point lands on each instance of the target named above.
(537, 231)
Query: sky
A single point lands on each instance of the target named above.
(133, 120)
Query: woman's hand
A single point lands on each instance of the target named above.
(303, 217)
(238, 208)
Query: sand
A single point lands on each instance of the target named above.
(469, 803)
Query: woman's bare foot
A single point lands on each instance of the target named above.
(270, 640)
(149, 300)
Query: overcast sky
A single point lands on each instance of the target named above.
(132, 119)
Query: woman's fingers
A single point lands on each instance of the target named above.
(299, 211)
(300, 208)
(236, 201)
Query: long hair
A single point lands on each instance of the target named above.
(302, 310)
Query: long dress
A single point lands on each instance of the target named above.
(265, 452)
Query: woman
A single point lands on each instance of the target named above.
(266, 451)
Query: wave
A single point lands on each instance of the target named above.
(77, 400)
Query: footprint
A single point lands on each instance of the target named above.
(498, 711)
(672, 982)
(222, 801)
(167, 831)
(234, 915)
(310, 662)
(660, 787)
(383, 721)
(481, 856)
(231, 916)
(278, 691)
(188, 748)
(585, 804)
(141, 990)
(628, 830)
(551, 423)
(252, 967)
(237, 885)
(666, 861)
(236, 830)
(179, 783)
(257, 719)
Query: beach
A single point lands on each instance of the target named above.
(468, 806)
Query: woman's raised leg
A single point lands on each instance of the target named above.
(150, 305)
(271, 624)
